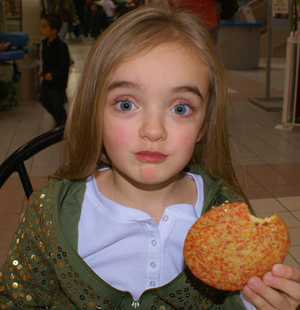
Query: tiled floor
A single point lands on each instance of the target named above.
(267, 160)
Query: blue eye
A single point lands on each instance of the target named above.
(126, 106)
(181, 109)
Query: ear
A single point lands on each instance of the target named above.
(202, 132)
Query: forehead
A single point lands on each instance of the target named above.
(162, 72)
(174, 47)
(45, 22)
(172, 61)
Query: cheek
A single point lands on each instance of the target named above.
(187, 141)
(115, 137)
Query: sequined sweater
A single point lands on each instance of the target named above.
(44, 271)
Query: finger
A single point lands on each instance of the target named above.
(274, 298)
(257, 301)
(287, 272)
(285, 285)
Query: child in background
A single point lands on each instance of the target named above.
(55, 69)
(147, 154)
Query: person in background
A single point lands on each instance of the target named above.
(81, 11)
(133, 4)
(109, 8)
(206, 10)
(65, 9)
(89, 14)
(55, 69)
(122, 8)
(99, 21)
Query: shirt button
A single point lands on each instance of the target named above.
(153, 242)
(152, 264)
(152, 283)
(165, 218)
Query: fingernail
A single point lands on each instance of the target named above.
(278, 270)
(269, 278)
(254, 282)
(247, 290)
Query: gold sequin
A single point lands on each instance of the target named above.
(15, 285)
(28, 297)
(15, 262)
(42, 196)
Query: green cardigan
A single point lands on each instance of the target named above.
(44, 271)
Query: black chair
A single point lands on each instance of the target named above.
(15, 162)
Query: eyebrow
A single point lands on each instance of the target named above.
(123, 84)
(189, 89)
(180, 89)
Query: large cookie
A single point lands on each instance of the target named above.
(228, 245)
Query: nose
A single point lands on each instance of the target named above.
(153, 127)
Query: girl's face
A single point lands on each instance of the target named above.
(154, 114)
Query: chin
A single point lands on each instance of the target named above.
(155, 176)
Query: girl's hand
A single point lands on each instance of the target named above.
(279, 289)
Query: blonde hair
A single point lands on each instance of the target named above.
(133, 33)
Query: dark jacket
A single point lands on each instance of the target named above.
(56, 60)
(44, 271)
(64, 8)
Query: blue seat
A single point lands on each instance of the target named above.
(18, 45)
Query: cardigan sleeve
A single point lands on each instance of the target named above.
(27, 278)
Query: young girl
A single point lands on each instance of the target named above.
(146, 146)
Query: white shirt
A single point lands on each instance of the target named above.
(108, 6)
(126, 248)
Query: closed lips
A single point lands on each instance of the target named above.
(150, 153)
(151, 156)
